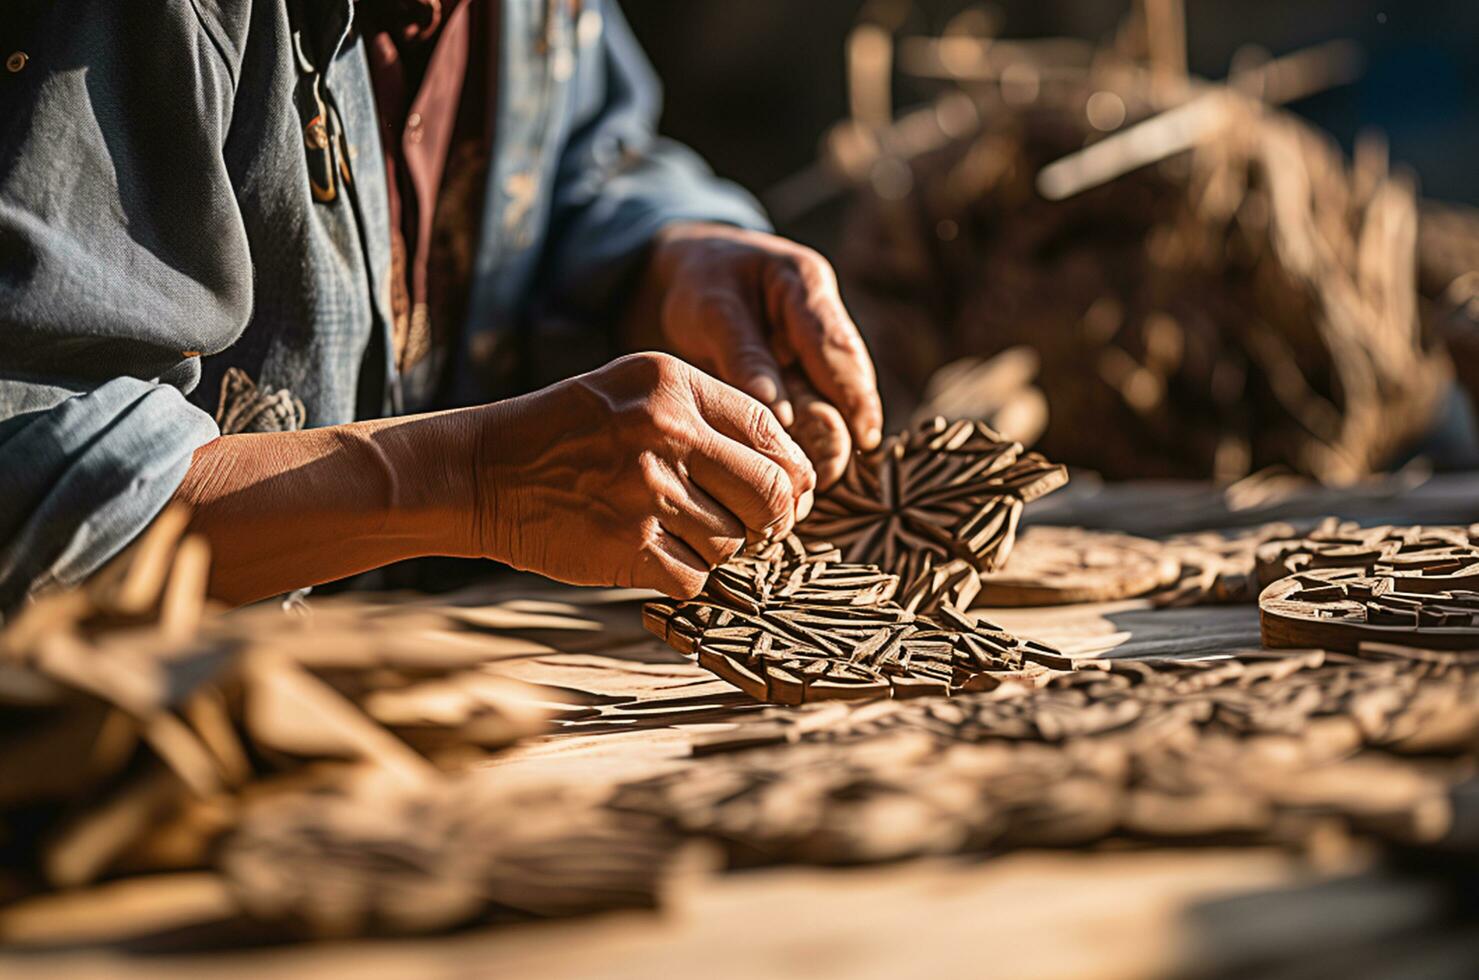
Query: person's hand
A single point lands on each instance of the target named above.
(646, 473)
(764, 315)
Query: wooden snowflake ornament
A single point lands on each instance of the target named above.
(942, 492)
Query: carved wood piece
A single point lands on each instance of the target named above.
(1420, 559)
(939, 492)
(1341, 608)
(792, 624)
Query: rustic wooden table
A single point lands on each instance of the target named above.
(1110, 912)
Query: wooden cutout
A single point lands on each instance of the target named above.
(1272, 747)
(1420, 559)
(791, 623)
(940, 492)
(1340, 608)
(1217, 567)
(1053, 566)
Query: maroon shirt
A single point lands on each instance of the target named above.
(431, 66)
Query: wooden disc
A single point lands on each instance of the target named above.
(1053, 566)
(1340, 608)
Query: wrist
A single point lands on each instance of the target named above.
(430, 504)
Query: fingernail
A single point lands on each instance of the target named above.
(784, 413)
(803, 505)
(872, 438)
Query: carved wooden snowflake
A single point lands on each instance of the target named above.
(942, 492)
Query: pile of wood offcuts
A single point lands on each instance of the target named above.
(1202, 275)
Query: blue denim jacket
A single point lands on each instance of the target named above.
(157, 228)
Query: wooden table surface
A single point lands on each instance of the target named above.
(1105, 913)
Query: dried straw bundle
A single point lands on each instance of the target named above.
(1240, 299)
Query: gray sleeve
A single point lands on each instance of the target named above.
(618, 184)
(123, 258)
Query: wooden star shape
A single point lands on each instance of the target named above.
(793, 623)
(939, 493)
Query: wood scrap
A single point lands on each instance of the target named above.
(1265, 747)
(382, 808)
(1218, 567)
(1415, 558)
(119, 910)
(376, 857)
(133, 720)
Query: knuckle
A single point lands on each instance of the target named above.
(653, 369)
(808, 262)
(649, 540)
(812, 270)
(672, 426)
(720, 305)
(644, 570)
(760, 427)
(775, 491)
(650, 469)
(838, 332)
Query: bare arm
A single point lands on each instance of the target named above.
(286, 510)
(645, 473)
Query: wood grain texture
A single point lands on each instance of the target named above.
(1052, 566)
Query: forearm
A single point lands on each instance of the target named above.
(293, 509)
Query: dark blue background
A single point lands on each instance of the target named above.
(753, 83)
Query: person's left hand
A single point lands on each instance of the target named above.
(764, 314)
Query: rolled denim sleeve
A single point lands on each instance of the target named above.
(618, 184)
(123, 259)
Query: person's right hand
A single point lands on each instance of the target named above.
(646, 472)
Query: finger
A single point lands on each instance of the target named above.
(745, 483)
(743, 420)
(665, 563)
(804, 300)
(785, 354)
(820, 431)
(740, 352)
(688, 511)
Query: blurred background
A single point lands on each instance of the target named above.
(753, 85)
(1292, 288)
